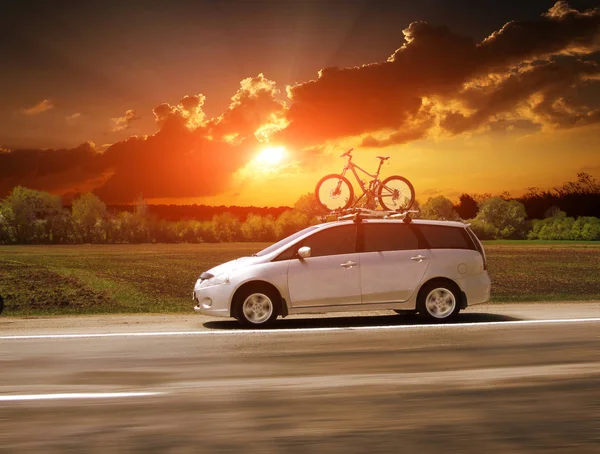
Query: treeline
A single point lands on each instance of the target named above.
(27, 216)
(34, 217)
(575, 198)
(567, 213)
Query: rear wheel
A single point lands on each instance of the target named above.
(396, 194)
(256, 307)
(438, 301)
(334, 192)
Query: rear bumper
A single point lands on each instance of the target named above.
(477, 288)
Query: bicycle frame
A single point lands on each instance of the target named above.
(372, 184)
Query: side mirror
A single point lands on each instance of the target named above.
(304, 252)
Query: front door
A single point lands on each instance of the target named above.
(330, 276)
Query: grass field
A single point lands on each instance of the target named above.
(40, 280)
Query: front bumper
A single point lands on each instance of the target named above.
(213, 301)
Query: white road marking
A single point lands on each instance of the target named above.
(464, 378)
(215, 332)
(58, 396)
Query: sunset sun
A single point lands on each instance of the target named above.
(270, 157)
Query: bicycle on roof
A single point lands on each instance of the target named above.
(335, 192)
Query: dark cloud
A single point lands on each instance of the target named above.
(560, 30)
(435, 64)
(542, 91)
(50, 170)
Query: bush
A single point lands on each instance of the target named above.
(563, 228)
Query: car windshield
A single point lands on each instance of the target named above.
(285, 241)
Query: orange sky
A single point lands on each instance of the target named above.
(457, 109)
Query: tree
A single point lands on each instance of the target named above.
(258, 228)
(290, 222)
(467, 207)
(26, 212)
(500, 218)
(554, 212)
(307, 205)
(89, 213)
(226, 228)
(438, 208)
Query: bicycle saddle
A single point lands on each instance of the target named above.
(383, 158)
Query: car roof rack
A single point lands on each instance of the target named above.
(358, 214)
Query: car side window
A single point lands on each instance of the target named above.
(332, 241)
(389, 237)
(446, 237)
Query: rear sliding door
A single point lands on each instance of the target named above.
(391, 262)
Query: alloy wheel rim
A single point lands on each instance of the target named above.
(440, 303)
(257, 308)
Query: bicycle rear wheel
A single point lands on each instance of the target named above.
(396, 193)
(334, 192)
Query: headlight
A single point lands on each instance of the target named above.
(215, 280)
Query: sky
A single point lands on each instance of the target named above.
(251, 102)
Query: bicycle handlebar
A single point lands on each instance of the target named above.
(348, 153)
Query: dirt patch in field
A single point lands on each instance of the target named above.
(30, 288)
(543, 274)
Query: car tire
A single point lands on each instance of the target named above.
(438, 301)
(256, 306)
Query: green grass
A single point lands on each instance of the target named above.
(92, 279)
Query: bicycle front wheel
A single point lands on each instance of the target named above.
(396, 194)
(334, 192)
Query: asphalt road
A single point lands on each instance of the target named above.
(505, 378)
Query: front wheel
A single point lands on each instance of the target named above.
(334, 192)
(396, 194)
(256, 307)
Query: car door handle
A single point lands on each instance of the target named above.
(418, 258)
(348, 264)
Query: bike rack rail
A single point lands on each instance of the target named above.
(358, 214)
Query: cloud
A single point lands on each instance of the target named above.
(527, 75)
(39, 108)
(543, 92)
(254, 111)
(73, 118)
(174, 162)
(124, 122)
(188, 111)
(55, 170)
(561, 30)
(437, 66)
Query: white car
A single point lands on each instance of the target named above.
(433, 268)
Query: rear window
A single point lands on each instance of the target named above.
(446, 237)
(389, 237)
